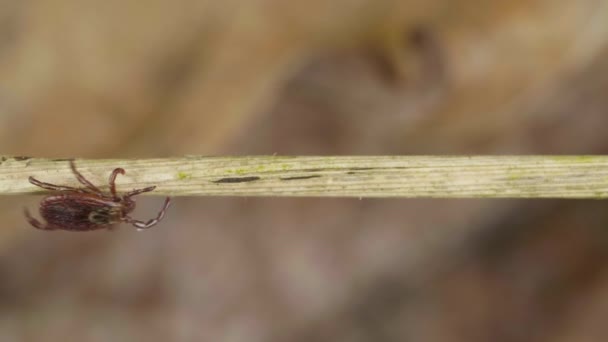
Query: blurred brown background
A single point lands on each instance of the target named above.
(158, 78)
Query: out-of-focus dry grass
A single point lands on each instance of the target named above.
(117, 78)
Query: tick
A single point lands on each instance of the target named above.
(88, 208)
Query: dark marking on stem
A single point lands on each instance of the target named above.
(236, 179)
(343, 169)
(351, 173)
(354, 168)
(299, 177)
(313, 170)
(62, 159)
(21, 158)
(3, 159)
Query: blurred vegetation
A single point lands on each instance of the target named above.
(123, 79)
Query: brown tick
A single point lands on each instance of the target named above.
(88, 208)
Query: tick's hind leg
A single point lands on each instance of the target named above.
(152, 222)
(53, 187)
(37, 224)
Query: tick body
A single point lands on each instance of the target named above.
(88, 208)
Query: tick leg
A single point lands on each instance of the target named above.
(139, 191)
(113, 180)
(83, 180)
(37, 224)
(152, 222)
(53, 187)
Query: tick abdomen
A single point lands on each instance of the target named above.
(79, 212)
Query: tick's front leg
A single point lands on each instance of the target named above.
(112, 180)
(152, 222)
